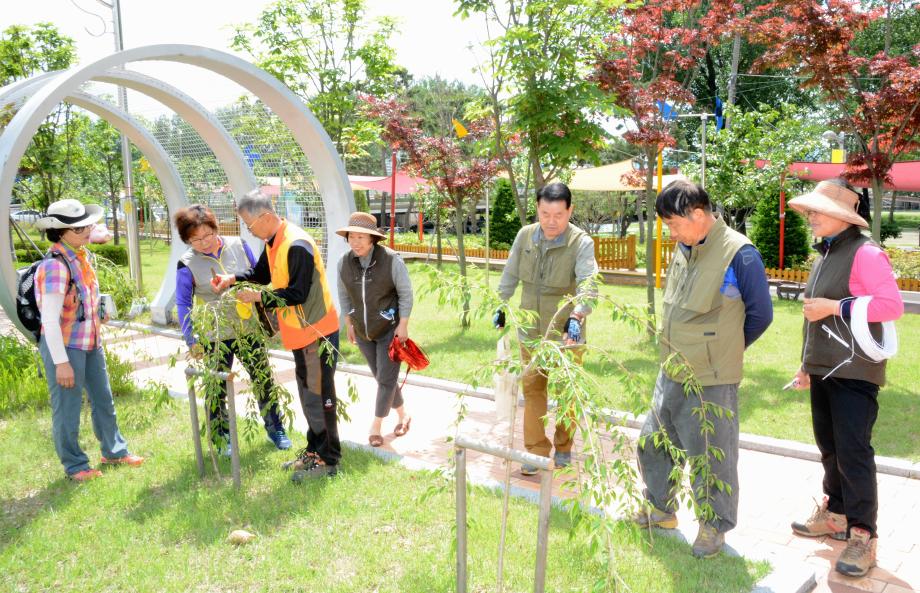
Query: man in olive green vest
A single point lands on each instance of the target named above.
(551, 259)
(716, 304)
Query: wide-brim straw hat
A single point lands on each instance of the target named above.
(360, 222)
(833, 200)
(66, 214)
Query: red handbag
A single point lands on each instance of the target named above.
(409, 353)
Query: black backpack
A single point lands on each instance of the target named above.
(26, 307)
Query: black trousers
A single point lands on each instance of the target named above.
(315, 372)
(255, 361)
(843, 412)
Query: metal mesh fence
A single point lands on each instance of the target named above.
(277, 161)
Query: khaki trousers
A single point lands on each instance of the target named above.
(533, 383)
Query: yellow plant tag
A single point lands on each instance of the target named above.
(244, 310)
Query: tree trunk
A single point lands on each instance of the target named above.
(878, 192)
(640, 215)
(651, 245)
(520, 205)
(115, 217)
(538, 180)
(437, 230)
(891, 207)
(459, 220)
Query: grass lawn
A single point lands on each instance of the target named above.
(159, 528)
(764, 408)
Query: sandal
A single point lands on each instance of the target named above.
(375, 440)
(403, 427)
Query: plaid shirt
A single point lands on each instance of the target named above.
(54, 277)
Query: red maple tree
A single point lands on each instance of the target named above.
(877, 97)
(458, 172)
(651, 59)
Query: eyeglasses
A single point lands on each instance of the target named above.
(202, 239)
(254, 221)
(80, 229)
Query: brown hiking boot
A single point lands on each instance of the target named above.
(304, 461)
(708, 542)
(823, 522)
(859, 555)
(653, 517)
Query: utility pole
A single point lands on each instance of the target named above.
(128, 202)
(733, 80)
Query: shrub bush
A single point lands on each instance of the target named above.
(117, 254)
(22, 383)
(22, 377)
(504, 224)
(906, 264)
(765, 234)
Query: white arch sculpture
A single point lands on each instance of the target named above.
(46, 90)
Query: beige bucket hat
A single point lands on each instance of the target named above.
(66, 214)
(361, 222)
(831, 199)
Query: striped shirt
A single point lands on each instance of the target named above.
(53, 277)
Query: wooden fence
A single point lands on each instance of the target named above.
(801, 276)
(611, 253)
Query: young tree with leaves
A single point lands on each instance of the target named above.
(48, 162)
(456, 168)
(324, 51)
(538, 85)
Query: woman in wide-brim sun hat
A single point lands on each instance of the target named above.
(376, 295)
(844, 382)
(67, 294)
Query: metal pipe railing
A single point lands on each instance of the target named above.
(191, 374)
(546, 467)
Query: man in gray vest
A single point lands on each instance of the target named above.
(716, 304)
(551, 259)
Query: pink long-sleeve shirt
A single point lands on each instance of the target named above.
(871, 275)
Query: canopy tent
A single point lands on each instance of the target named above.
(405, 184)
(905, 176)
(620, 176)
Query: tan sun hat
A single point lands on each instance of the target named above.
(831, 199)
(361, 222)
(66, 214)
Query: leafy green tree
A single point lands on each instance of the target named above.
(325, 52)
(747, 162)
(538, 86)
(765, 234)
(503, 223)
(48, 162)
(101, 169)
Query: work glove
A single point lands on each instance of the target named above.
(498, 320)
(573, 329)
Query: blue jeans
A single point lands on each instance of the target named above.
(90, 374)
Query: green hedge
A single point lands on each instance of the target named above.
(117, 254)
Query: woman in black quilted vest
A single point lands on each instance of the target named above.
(375, 294)
(851, 291)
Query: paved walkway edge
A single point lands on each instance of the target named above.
(885, 465)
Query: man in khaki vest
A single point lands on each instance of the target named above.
(552, 259)
(716, 304)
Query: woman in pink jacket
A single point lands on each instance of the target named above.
(850, 293)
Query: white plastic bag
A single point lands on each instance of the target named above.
(505, 384)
